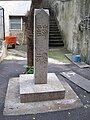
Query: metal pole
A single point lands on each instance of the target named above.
(3, 25)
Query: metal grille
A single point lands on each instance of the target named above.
(85, 24)
(2, 26)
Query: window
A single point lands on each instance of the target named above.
(15, 22)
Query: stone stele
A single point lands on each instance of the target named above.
(41, 39)
(40, 86)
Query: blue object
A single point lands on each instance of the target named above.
(76, 58)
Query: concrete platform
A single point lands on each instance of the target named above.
(13, 106)
(30, 92)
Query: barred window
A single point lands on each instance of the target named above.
(15, 22)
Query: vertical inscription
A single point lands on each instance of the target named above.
(41, 38)
(41, 58)
(41, 30)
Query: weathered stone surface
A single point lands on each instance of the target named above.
(13, 106)
(30, 92)
(41, 39)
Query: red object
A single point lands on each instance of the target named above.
(10, 39)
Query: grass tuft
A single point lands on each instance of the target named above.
(59, 54)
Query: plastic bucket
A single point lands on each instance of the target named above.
(76, 58)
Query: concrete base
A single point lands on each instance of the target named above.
(13, 106)
(30, 92)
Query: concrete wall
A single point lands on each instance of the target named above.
(69, 15)
(16, 8)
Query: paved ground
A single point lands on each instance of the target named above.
(13, 68)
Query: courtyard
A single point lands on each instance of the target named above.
(45, 73)
(13, 65)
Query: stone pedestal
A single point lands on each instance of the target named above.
(13, 105)
(30, 92)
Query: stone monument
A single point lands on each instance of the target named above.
(41, 39)
(40, 86)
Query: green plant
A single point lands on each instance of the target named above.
(29, 69)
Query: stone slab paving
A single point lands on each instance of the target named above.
(77, 79)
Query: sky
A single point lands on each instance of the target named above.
(16, 6)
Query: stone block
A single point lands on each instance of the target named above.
(30, 92)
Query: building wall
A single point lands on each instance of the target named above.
(14, 8)
(20, 34)
(69, 15)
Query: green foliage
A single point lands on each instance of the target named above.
(59, 54)
(29, 69)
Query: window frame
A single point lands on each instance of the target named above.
(11, 17)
